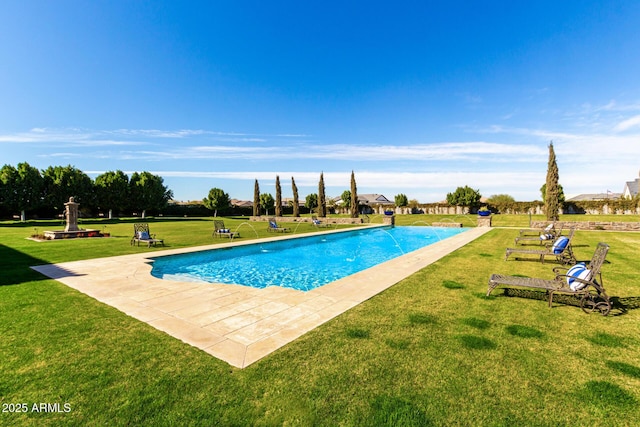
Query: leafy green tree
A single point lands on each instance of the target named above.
(8, 195)
(331, 205)
(267, 202)
(112, 191)
(346, 199)
(21, 188)
(464, 196)
(5, 190)
(552, 193)
(311, 201)
(501, 202)
(296, 202)
(217, 199)
(278, 197)
(401, 200)
(62, 182)
(322, 202)
(256, 199)
(354, 197)
(148, 192)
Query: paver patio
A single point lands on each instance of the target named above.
(235, 323)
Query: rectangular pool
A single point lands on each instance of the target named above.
(302, 263)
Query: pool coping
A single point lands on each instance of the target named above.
(237, 324)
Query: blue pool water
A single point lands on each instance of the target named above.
(304, 263)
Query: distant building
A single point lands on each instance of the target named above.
(241, 203)
(368, 202)
(594, 197)
(373, 199)
(631, 188)
(367, 199)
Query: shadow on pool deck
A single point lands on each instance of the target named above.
(235, 323)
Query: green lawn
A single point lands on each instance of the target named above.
(431, 350)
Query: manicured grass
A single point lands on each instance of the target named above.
(521, 221)
(431, 350)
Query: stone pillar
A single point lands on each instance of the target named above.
(389, 220)
(484, 221)
(71, 212)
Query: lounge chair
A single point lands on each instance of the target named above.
(318, 223)
(537, 231)
(579, 280)
(544, 237)
(273, 226)
(219, 230)
(561, 249)
(141, 234)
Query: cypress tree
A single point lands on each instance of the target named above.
(278, 197)
(296, 204)
(354, 197)
(322, 203)
(551, 197)
(256, 199)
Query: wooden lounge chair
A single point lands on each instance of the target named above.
(141, 234)
(319, 224)
(219, 230)
(273, 226)
(544, 237)
(588, 285)
(561, 250)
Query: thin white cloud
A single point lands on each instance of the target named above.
(84, 137)
(627, 124)
(451, 151)
(66, 137)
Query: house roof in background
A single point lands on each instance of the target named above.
(594, 196)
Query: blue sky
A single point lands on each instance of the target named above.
(415, 97)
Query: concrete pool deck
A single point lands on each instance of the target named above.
(235, 323)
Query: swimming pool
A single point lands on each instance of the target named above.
(302, 263)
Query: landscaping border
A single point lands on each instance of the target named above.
(592, 225)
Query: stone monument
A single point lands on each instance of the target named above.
(71, 230)
(71, 212)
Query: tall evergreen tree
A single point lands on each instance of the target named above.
(322, 202)
(278, 197)
(256, 199)
(551, 199)
(354, 197)
(296, 203)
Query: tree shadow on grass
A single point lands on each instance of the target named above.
(451, 284)
(606, 395)
(475, 342)
(15, 267)
(394, 411)
(524, 331)
(624, 368)
(476, 323)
